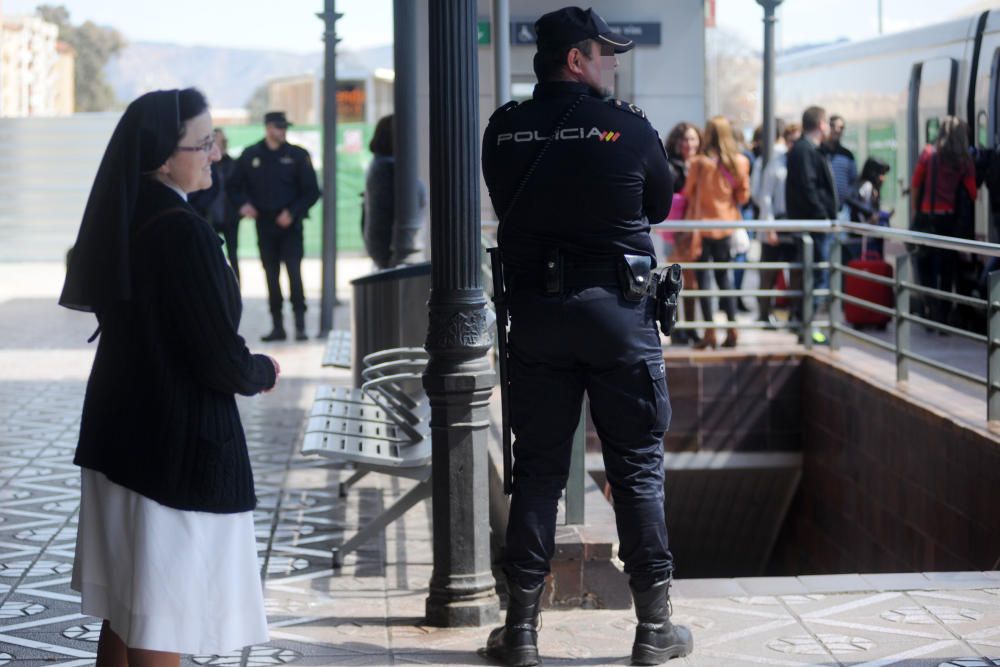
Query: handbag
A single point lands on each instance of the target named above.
(678, 207)
(739, 241)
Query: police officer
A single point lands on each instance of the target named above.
(575, 179)
(275, 184)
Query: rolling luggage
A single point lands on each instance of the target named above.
(859, 316)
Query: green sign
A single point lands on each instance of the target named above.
(484, 32)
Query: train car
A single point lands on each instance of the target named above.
(893, 90)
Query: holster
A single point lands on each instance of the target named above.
(668, 289)
(634, 276)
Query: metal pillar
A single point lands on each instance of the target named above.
(808, 280)
(458, 380)
(328, 296)
(404, 137)
(767, 149)
(501, 52)
(993, 347)
(904, 273)
(836, 290)
(575, 484)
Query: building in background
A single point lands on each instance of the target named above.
(36, 70)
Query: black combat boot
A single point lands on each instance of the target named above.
(277, 331)
(515, 644)
(656, 638)
(300, 327)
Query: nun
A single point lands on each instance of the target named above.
(165, 550)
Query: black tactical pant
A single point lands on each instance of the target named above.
(589, 340)
(279, 246)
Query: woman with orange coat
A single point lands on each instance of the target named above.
(718, 183)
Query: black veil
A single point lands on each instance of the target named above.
(99, 266)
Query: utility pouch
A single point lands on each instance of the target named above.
(552, 272)
(633, 276)
(668, 289)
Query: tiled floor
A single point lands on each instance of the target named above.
(370, 612)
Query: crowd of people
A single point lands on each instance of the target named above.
(811, 176)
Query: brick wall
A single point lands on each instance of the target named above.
(887, 485)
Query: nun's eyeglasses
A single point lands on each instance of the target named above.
(204, 147)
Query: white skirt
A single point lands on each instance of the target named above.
(167, 579)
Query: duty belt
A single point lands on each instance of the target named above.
(599, 273)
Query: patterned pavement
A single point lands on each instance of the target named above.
(370, 612)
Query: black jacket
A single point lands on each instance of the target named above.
(596, 189)
(810, 193)
(274, 180)
(160, 414)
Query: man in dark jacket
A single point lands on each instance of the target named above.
(810, 191)
(275, 184)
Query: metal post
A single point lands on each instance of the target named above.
(904, 272)
(404, 138)
(767, 149)
(328, 296)
(836, 289)
(458, 379)
(577, 472)
(993, 347)
(807, 290)
(880, 17)
(501, 52)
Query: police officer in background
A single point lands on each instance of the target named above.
(575, 179)
(275, 184)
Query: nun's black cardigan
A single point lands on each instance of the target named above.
(160, 413)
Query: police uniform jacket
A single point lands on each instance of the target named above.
(273, 180)
(598, 186)
(159, 416)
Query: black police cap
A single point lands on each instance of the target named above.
(569, 25)
(276, 118)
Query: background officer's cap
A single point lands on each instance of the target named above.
(276, 118)
(569, 25)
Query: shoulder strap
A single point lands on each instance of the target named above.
(534, 164)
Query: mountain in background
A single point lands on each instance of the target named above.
(228, 77)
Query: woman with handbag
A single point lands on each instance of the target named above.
(682, 146)
(718, 184)
(165, 553)
(943, 170)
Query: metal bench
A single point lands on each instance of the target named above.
(383, 426)
(338, 349)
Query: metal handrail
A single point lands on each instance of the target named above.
(902, 284)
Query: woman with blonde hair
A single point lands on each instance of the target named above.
(718, 184)
(682, 145)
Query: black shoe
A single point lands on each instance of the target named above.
(656, 638)
(275, 335)
(301, 334)
(515, 643)
(742, 307)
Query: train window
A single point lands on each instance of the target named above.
(931, 130)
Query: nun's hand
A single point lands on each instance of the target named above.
(284, 219)
(248, 211)
(277, 373)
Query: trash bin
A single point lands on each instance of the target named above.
(389, 309)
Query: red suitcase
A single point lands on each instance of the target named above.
(860, 288)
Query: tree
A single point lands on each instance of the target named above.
(94, 46)
(257, 104)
